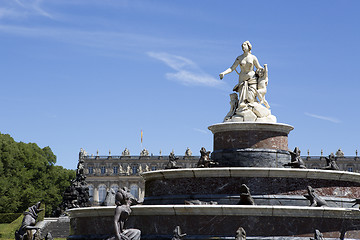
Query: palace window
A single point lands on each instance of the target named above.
(103, 169)
(134, 170)
(102, 193)
(91, 170)
(350, 169)
(134, 190)
(116, 169)
(91, 192)
(153, 168)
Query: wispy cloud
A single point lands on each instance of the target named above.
(187, 72)
(330, 119)
(200, 130)
(23, 8)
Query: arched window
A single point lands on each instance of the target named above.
(102, 193)
(103, 169)
(115, 169)
(134, 190)
(91, 193)
(115, 188)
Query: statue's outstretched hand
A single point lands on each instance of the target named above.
(221, 76)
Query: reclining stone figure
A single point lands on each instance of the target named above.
(28, 223)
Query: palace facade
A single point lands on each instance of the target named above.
(113, 172)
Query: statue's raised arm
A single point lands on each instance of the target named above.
(251, 88)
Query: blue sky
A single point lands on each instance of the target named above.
(91, 74)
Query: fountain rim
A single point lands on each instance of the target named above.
(250, 126)
(251, 172)
(222, 210)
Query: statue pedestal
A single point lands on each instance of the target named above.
(250, 144)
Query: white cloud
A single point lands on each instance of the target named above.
(200, 130)
(23, 8)
(330, 119)
(188, 73)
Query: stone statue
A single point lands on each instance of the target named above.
(234, 102)
(296, 161)
(317, 235)
(263, 80)
(128, 170)
(251, 89)
(331, 163)
(122, 212)
(172, 161)
(140, 169)
(126, 152)
(80, 171)
(144, 153)
(240, 234)
(315, 199)
(28, 223)
(147, 169)
(110, 198)
(177, 234)
(133, 200)
(188, 152)
(245, 196)
(339, 153)
(77, 194)
(121, 169)
(205, 161)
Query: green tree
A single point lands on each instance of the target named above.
(28, 174)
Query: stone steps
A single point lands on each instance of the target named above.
(58, 227)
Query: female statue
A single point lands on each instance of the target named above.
(247, 86)
(122, 212)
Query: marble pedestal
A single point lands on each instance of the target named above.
(250, 144)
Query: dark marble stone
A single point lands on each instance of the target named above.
(225, 226)
(250, 157)
(258, 185)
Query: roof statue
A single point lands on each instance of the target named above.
(188, 152)
(126, 152)
(249, 104)
(144, 153)
(339, 153)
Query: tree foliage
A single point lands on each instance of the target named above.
(28, 174)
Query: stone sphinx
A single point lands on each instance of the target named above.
(331, 163)
(245, 196)
(250, 105)
(296, 161)
(315, 199)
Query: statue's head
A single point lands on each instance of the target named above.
(121, 197)
(246, 46)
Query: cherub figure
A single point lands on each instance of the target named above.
(262, 83)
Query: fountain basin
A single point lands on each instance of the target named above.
(219, 221)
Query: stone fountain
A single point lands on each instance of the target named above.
(250, 149)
